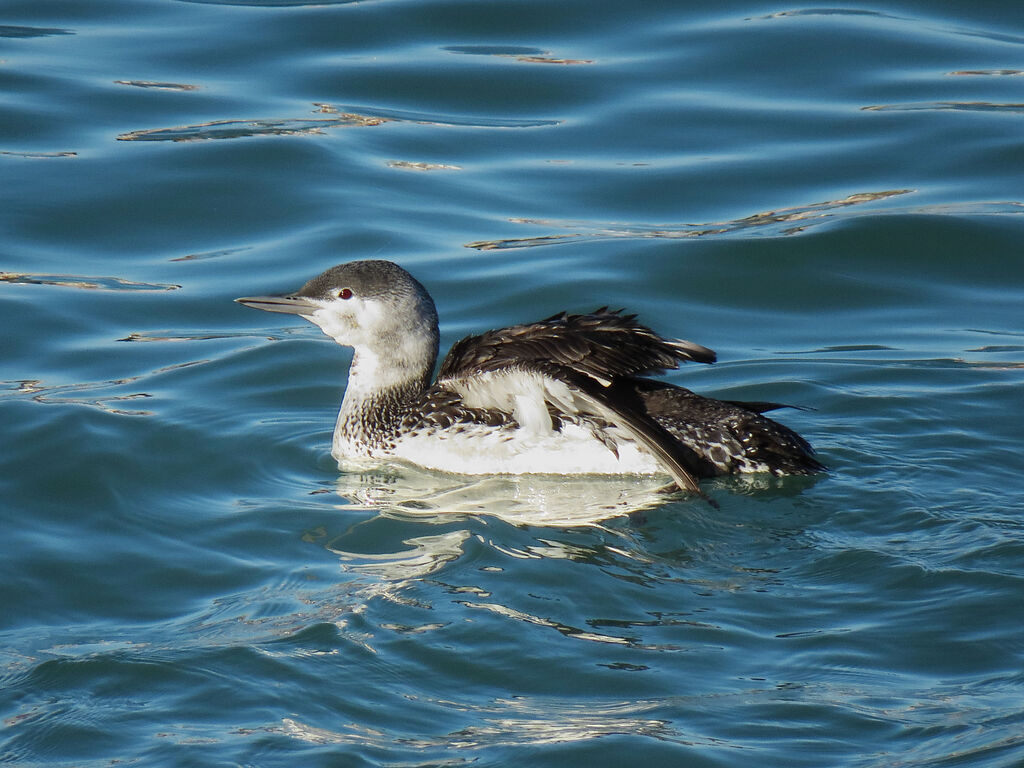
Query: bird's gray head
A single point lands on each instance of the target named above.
(374, 306)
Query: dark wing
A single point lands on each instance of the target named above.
(622, 405)
(603, 345)
(580, 366)
(727, 435)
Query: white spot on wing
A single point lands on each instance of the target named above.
(523, 394)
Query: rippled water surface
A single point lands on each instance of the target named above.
(829, 196)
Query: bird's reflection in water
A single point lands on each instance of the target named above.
(534, 500)
(495, 520)
(392, 547)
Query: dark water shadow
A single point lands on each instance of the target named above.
(22, 32)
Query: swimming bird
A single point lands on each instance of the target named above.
(570, 394)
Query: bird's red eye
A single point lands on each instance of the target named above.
(345, 293)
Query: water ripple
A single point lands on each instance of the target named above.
(235, 129)
(272, 3)
(71, 394)
(83, 282)
(512, 722)
(947, 106)
(428, 555)
(350, 117)
(38, 155)
(914, 23)
(989, 72)
(11, 31)
(215, 254)
(577, 633)
(178, 336)
(408, 165)
(429, 118)
(515, 52)
(158, 85)
(784, 221)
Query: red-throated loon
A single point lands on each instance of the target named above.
(566, 395)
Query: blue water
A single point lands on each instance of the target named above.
(830, 197)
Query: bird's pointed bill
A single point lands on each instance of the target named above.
(287, 303)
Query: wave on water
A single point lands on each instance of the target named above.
(350, 117)
(947, 106)
(83, 393)
(84, 282)
(272, 3)
(516, 52)
(23, 32)
(784, 221)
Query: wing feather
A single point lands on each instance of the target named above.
(603, 345)
(579, 366)
(621, 406)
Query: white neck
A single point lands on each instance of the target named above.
(382, 384)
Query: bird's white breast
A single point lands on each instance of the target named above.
(482, 450)
(532, 445)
